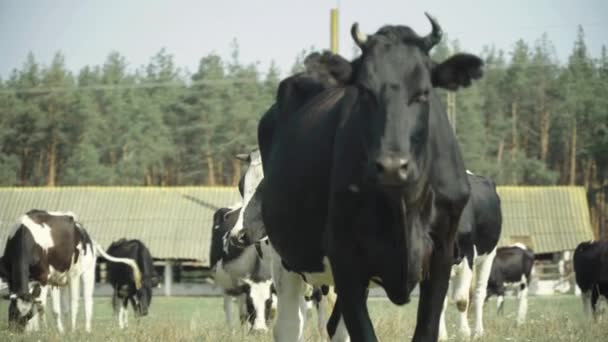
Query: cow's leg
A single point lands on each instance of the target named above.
(433, 291)
(228, 310)
(121, 319)
(602, 305)
(88, 285)
(336, 328)
(323, 311)
(44, 290)
(462, 285)
(483, 268)
(341, 334)
(443, 332)
(74, 298)
(116, 307)
(330, 302)
(56, 298)
(351, 289)
(241, 301)
(33, 323)
(304, 307)
(65, 302)
(125, 312)
(290, 289)
(595, 296)
(523, 302)
(500, 304)
(586, 298)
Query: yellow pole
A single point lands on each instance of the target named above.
(334, 30)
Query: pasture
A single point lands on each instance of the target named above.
(557, 318)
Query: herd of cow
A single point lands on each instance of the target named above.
(358, 182)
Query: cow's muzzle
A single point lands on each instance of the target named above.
(392, 170)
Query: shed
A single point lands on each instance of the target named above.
(548, 219)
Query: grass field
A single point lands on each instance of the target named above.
(552, 319)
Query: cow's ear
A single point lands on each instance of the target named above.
(242, 157)
(457, 71)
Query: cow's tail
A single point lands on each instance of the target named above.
(129, 262)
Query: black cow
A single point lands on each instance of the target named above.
(478, 233)
(122, 281)
(591, 267)
(365, 183)
(513, 266)
(242, 273)
(51, 248)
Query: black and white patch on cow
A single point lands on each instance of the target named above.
(242, 274)
(50, 249)
(512, 269)
(478, 234)
(123, 284)
(591, 268)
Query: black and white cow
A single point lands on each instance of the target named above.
(365, 183)
(51, 248)
(478, 234)
(591, 267)
(242, 274)
(250, 215)
(123, 283)
(512, 268)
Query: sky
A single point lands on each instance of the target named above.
(87, 31)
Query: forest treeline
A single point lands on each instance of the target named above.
(531, 120)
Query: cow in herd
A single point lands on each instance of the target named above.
(591, 267)
(478, 234)
(244, 272)
(124, 285)
(52, 249)
(512, 268)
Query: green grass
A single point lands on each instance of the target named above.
(557, 318)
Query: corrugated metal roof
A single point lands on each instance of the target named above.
(174, 222)
(548, 219)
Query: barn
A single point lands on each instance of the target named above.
(175, 223)
(552, 221)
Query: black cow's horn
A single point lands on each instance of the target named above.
(359, 37)
(435, 36)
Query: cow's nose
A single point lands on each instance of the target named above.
(392, 170)
(240, 239)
